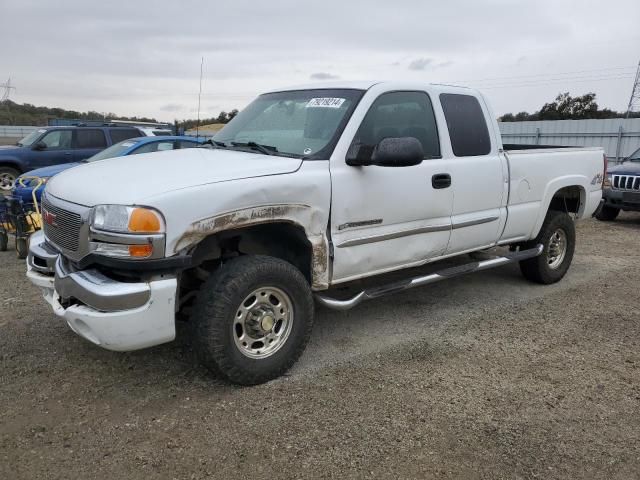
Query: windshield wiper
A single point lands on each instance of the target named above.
(266, 149)
(213, 143)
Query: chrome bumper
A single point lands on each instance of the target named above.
(115, 315)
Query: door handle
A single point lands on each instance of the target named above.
(441, 180)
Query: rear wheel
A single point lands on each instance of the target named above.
(252, 319)
(8, 177)
(558, 236)
(608, 214)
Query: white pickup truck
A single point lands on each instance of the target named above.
(307, 190)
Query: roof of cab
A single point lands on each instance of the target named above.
(366, 85)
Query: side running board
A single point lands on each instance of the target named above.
(451, 272)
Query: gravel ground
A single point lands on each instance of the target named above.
(485, 376)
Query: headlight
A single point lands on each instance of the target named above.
(123, 219)
(607, 180)
(127, 232)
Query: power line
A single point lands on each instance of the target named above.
(595, 70)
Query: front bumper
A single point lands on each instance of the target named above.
(115, 315)
(622, 199)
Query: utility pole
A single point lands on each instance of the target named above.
(634, 101)
(7, 89)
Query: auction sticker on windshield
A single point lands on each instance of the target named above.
(325, 102)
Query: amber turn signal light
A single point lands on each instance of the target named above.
(143, 220)
(140, 251)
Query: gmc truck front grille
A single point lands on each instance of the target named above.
(626, 182)
(61, 227)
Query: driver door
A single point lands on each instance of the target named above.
(386, 218)
(57, 149)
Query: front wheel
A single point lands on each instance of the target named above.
(607, 214)
(4, 241)
(558, 236)
(8, 178)
(252, 319)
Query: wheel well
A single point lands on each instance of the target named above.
(5, 163)
(279, 239)
(568, 199)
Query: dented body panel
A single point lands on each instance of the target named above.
(301, 198)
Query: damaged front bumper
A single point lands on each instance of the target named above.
(113, 314)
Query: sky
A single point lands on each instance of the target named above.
(143, 57)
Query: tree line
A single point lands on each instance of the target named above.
(12, 113)
(566, 107)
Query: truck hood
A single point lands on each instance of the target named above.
(626, 168)
(130, 180)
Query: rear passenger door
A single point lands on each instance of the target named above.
(479, 174)
(88, 142)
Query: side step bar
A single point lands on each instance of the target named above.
(451, 272)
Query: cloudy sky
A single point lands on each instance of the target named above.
(143, 57)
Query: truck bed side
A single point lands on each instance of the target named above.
(537, 175)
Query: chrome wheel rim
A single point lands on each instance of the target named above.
(557, 248)
(7, 181)
(263, 322)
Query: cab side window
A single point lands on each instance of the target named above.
(399, 114)
(467, 126)
(57, 139)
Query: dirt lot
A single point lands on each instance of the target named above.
(486, 376)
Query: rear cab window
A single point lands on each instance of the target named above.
(467, 125)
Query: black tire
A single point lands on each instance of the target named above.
(8, 177)
(220, 299)
(22, 247)
(541, 269)
(608, 214)
(4, 241)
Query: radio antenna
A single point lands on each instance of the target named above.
(199, 95)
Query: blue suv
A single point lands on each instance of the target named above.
(56, 145)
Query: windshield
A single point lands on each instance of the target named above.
(301, 123)
(32, 137)
(635, 156)
(115, 150)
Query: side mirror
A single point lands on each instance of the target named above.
(389, 152)
(398, 152)
(39, 146)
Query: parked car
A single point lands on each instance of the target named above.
(24, 186)
(307, 190)
(621, 188)
(57, 145)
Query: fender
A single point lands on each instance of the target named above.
(552, 188)
(303, 216)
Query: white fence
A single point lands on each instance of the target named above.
(618, 136)
(13, 131)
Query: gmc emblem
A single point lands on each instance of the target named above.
(49, 218)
